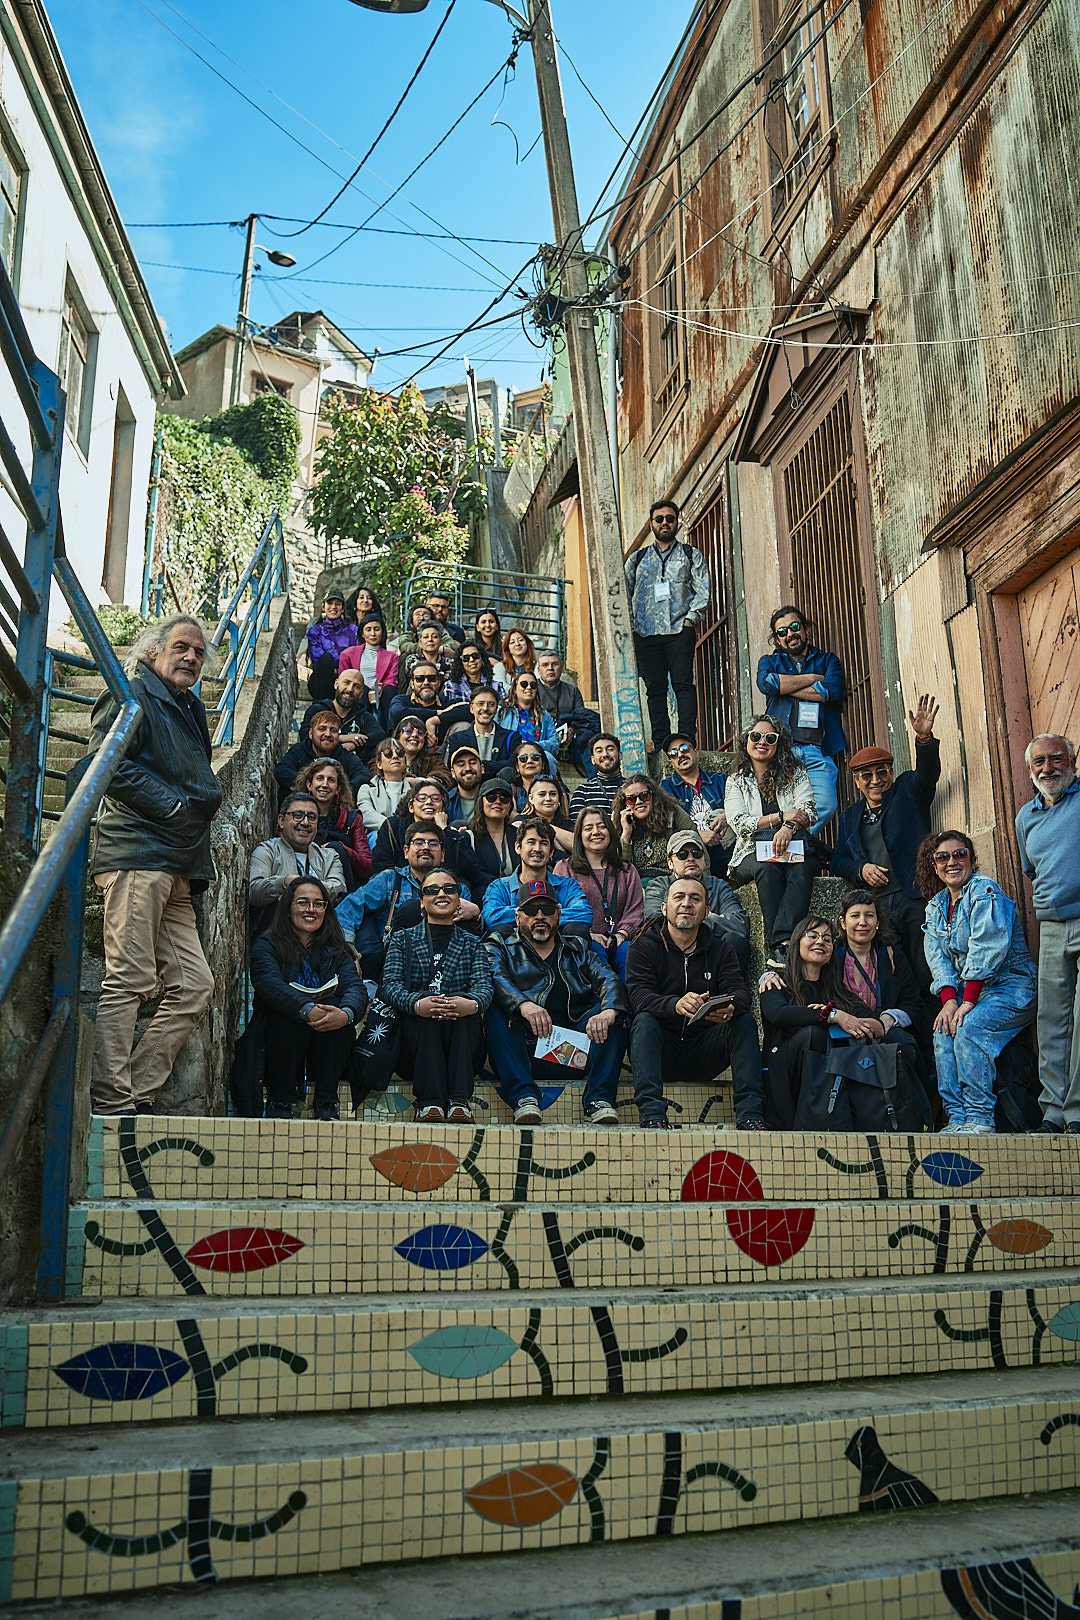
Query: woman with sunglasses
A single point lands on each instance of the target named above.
(437, 978)
(611, 885)
(518, 651)
(341, 826)
(981, 971)
(494, 837)
(421, 760)
(471, 672)
(308, 1000)
(522, 713)
(769, 800)
(381, 796)
(646, 817)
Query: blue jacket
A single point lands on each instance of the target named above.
(713, 784)
(466, 970)
(685, 570)
(548, 739)
(500, 904)
(816, 662)
(905, 822)
(1049, 837)
(984, 940)
(363, 914)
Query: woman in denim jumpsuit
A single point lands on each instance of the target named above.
(982, 971)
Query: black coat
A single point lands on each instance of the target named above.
(658, 973)
(566, 706)
(502, 751)
(273, 991)
(302, 753)
(486, 856)
(157, 812)
(905, 822)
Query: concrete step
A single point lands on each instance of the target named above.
(184, 1158)
(89, 1365)
(861, 1567)
(244, 1499)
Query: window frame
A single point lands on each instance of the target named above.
(12, 152)
(73, 311)
(666, 353)
(775, 120)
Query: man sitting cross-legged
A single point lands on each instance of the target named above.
(535, 847)
(543, 979)
(686, 857)
(675, 965)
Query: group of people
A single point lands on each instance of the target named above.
(429, 859)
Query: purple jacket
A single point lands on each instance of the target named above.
(330, 636)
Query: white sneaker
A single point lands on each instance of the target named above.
(528, 1113)
(601, 1113)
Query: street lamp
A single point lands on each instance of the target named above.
(613, 637)
(276, 256)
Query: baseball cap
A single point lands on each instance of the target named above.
(678, 736)
(466, 748)
(496, 785)
(679, 840)
(536, 889)
(334, 595)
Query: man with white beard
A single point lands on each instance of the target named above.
(1048, 833)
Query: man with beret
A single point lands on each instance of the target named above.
(878, 837)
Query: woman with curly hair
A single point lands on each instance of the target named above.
(768, 799)
(518, 651)
(522, 713)
(646, 817)
(341, 826)
(980, 968)
(471, 672)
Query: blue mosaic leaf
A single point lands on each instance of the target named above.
(442, 1247)
(467, 1351)
(1066, 1324)
(951, 1169)
(122, 1371)
(549, 1094)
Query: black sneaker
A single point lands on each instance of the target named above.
(327, 1111)
(278, 1111)
(1073, 1128)
(660, 1123)
(751, 1122)
(1049, 1127)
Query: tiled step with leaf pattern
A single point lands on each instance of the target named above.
(356, 1501)
(78, 1368)
(187, 1158)
(560, 1103)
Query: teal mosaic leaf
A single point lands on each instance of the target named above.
(1066, 1324)
(466, 1351)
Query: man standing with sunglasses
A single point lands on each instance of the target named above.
(804, 688)
(878, 837)
(669, 588)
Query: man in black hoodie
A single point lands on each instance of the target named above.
(673, 969)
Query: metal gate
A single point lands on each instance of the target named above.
(714, 661)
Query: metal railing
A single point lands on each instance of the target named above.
(534, 602)
(265, 577)
(59, 871)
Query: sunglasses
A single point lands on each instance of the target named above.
(637, 798)
(664, 522)
(498, 798)
(677, 752)
(470, 658)
(529, 759)
(425, 680)
(788, 629)
(526, 686)
(881, 775)
(768, 737)
(945, 857)
(540, 908)
(442, 888)
(691, 850)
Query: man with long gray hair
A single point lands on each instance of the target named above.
(151, 854)
(1048, 833)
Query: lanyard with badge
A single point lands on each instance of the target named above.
(662, 586)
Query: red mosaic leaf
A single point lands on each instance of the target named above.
(243, 1248)
(418, 1166)
(770, 1236)
(523, 1496)
(721, 1176)
(1019, 1237)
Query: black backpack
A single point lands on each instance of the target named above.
(863, 1086)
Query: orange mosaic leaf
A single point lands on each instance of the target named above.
(523, 1496)
(1019, 1237)
(418, 1166)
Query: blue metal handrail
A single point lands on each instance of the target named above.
(534, 602)
(266, 576)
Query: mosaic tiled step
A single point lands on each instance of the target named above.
(560, 1104)
(238, 1158)
(197, 1361)
(353, 1501)
(273, 1249)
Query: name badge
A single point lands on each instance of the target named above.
(662, 590)
(808, 716)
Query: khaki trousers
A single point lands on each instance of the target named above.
(149, 932)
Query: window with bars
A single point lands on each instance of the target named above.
(76, 367)
(11, 182)
(795, 115)
(715, 667)
(666, 350)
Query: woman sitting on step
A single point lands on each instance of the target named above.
(610, 884)
(341, 827)
(308, 1000)
(646, 816)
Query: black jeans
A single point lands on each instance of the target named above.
(441, 1057)
(783, 892)
(290, 1046)
(907, 917)
(657, 1055)
(657, 658)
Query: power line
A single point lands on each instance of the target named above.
(326, 225)
(317, 281)
(400, 103)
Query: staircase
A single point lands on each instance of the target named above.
(293, 1349)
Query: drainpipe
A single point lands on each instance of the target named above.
(613, 328)
(151, 523)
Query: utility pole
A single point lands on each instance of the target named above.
(613, 638)
(242, 315)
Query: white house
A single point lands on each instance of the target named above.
(86, 307)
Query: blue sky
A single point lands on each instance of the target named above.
(178, 144)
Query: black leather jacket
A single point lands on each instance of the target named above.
(156, 815)
(520, 975)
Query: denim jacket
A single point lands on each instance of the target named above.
(983, 940)
(816, 662)
(685, 570)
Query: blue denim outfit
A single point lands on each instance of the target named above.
(982, 940)
(1048, 836)
(816, 757)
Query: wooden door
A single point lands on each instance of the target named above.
(1049, 620)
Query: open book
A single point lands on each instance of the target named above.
(796, 851)
(713, 1001)
(316, 992)
(565, 1046)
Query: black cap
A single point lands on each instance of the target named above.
(334, 595)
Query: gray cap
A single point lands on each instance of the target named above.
(679, 840)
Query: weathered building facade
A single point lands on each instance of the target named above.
(849, 349)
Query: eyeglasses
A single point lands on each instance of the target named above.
(426, 843)
(788, 629)
(637, 798)
(880, 775)
(442, 888)
(300, 815)
(540, 908)
(768, 737)
(815, 937)
(310, 905)
(945, 857)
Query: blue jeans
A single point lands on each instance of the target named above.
(614, 958)
(579, 751)
(823, 776)
(511, 1051)
(966, 1061)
